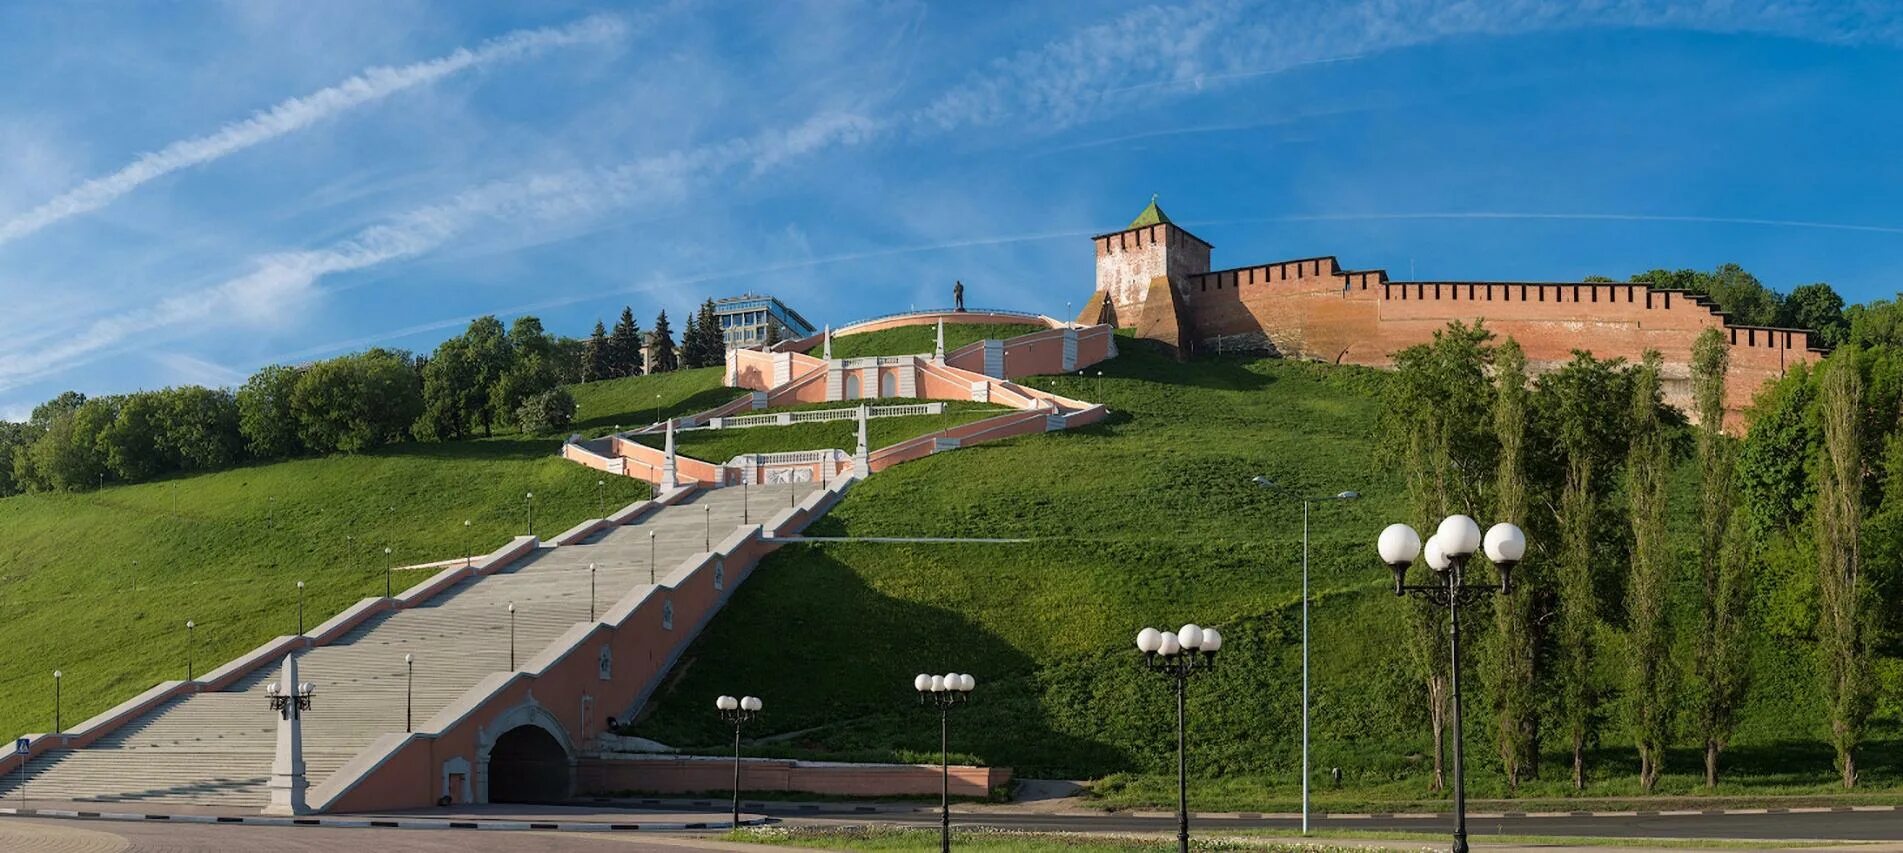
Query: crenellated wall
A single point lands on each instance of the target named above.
(1312, 308)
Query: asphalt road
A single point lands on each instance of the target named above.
(1832, 826)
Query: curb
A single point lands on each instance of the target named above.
(383, 823)
(798, 809)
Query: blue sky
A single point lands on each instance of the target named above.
(191, 191)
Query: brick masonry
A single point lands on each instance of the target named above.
(1158, 279)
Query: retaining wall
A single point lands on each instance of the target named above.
(696, 774)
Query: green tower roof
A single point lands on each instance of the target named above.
(1151, 215)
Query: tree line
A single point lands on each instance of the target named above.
(487, 378)
(1620, 620)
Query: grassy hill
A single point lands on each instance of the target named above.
(1149, 519)
(912, 340)
(227, 549)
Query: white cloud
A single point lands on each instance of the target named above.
(298, 113)
(182, 369)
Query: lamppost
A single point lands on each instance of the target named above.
(1306, 502)
(189, 625)
(601, 497)
(300, 608)
(650, 558)
(591, 592)
(409, 688)
(511, 636)
(135, 576)
(56, 726)
(1177, 656)
(469, 556)
(746, 495)
(529, 499)
(388, 566)
(737, 712)
(1447, 553)
(290, 703)
(657, 408)
(943, 692)
(707, 512)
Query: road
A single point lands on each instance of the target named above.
(37, 835)
(1835, 826)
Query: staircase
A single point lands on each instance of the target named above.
(216, 748)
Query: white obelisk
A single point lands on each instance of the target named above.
(287, 766)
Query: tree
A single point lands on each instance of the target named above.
(65, 456)
(1817, 307)
(702, 344)
(129, 444)
(265, 419)
(1435, 418)
(1842, 588)
(451, 392)
(1582, 404)
(199, 428)
(489, 352)
(1721, 665)
(357, 402)
(661, 341)
(1648, 467)
(595, 356)
(548, 411)
(624, 346)
(1738, 293)
(1512, 657)
(14, 438)
(772, 336)
(531, 369)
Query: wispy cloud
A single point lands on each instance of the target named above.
(281, 285)
(182, 369)
(297, 113)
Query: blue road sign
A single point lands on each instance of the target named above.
(19, 746)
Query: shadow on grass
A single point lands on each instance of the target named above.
(781, 638)
(635, 416)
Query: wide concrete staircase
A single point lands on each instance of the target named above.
(216, 748)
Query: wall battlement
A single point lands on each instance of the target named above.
(1157, 277)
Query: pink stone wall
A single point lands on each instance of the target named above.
(691, 776)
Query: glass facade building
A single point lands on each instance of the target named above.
(745, 320)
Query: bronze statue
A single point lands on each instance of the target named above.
(958, 296)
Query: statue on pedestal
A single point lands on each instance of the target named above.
(958, 296)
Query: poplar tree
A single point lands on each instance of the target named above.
(1721, 662)
(1512, 656)
(1842, 588)
(1648, 464)
(1583, 404)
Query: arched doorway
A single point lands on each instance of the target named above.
(852, 386)
(528, 765)
(888, 384)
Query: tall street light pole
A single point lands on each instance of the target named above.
(469, 556)
(56, 725)
(707, 512)
(1177, 656)
(944, 692)
(529, 499)
(601, 497)
(409, 689)
(189, 625)
(300, 608)
(1448, 551)
(650, 558)
(388, 565)
(737, 712)
(591, 592)
(512, 636)
(1306, 502)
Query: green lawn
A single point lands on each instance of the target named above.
(895, 839)
(1149, 518)
(227, 549)
(912, 340)
(631, 401)
(720, 445)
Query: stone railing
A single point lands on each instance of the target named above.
(817, 415)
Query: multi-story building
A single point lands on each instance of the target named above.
(752, 320)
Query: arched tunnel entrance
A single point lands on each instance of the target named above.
(528, 765)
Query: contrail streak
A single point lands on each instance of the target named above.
(298, 113)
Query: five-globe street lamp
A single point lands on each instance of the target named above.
(1307, 501)
(944, 692)
(1447, 552)
(1177, 656)
(290, 702)
(737, 712)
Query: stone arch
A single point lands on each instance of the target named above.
(528, 745)
(852, 386)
